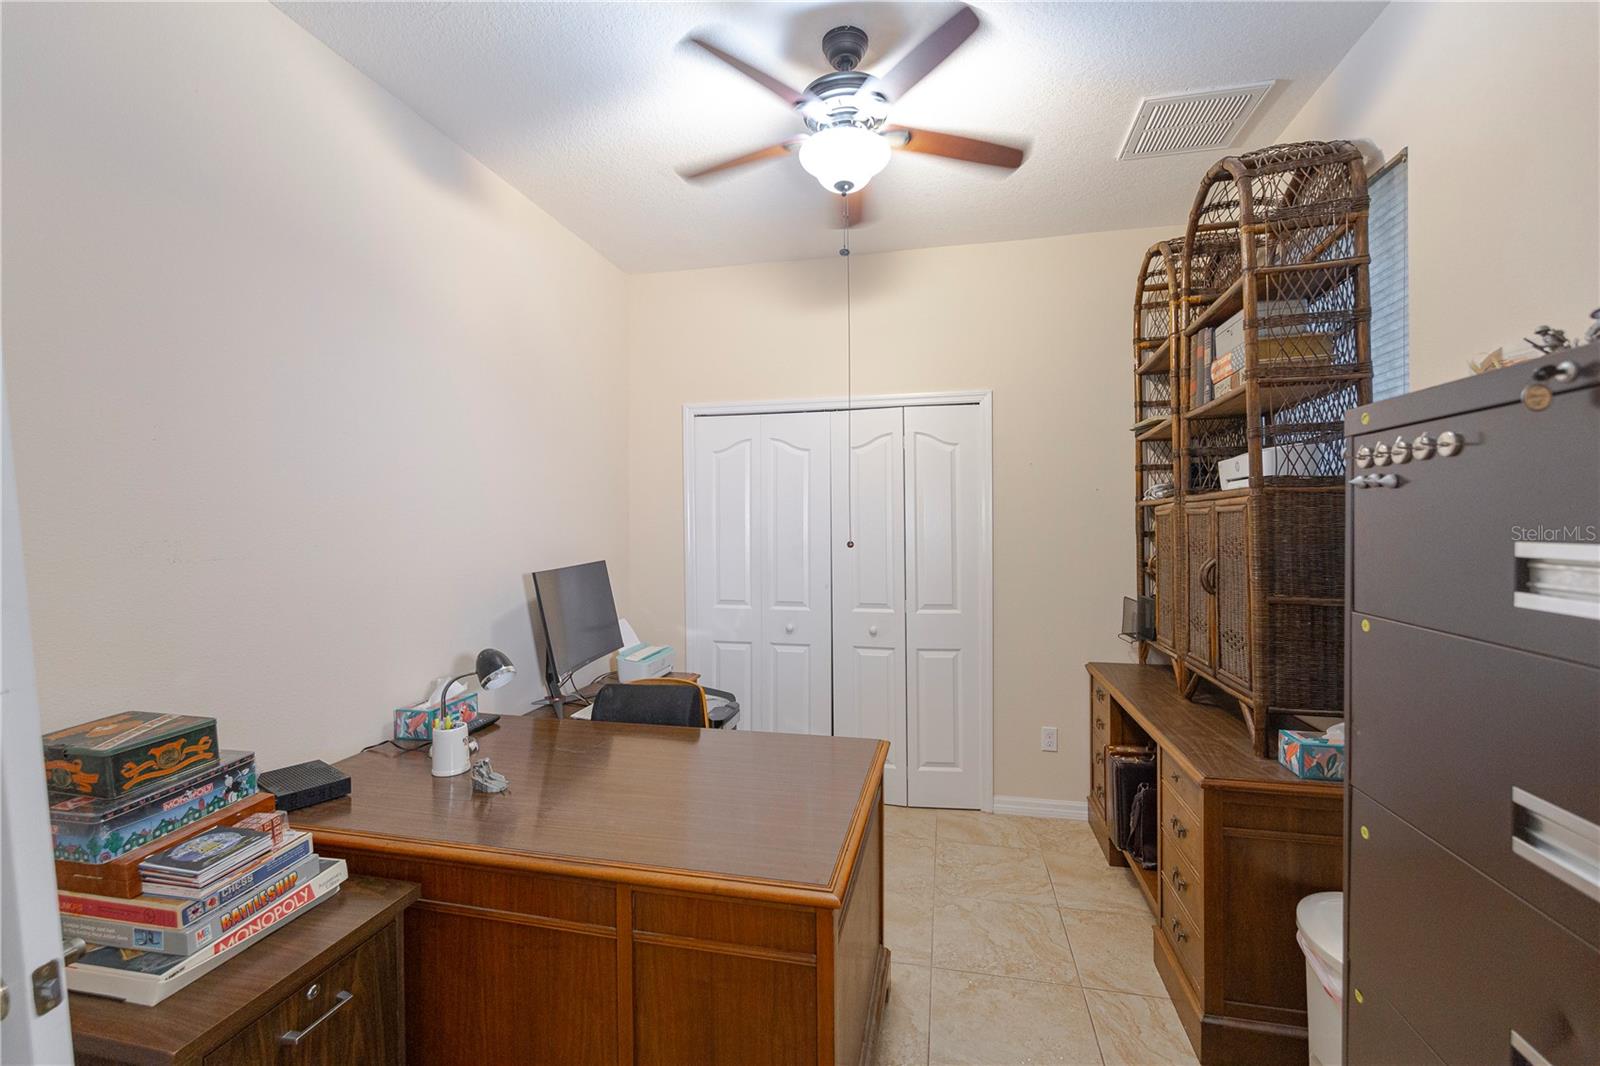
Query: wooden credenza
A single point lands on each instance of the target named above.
(1242, 842)
(641, 895)
(328, 987)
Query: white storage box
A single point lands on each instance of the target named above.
(1300, 459)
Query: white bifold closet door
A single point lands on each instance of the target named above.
(885, 639)
(869, 591)
(946, 503)
(761, 566)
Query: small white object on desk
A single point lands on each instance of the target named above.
(452, 751)
(644, 661)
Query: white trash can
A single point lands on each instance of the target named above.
(1321, 936)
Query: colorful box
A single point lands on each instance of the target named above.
(124, 754)
(1311, 755)
(416, 723)
(90, 829)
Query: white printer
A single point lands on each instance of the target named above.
(639, 661)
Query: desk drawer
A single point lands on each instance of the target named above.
(1187, 938)
(1462, 960)
(1443, 729)
(344, 1014)
(1182, 874)
(1186, 787)
(1101, 708)
(1182, 826)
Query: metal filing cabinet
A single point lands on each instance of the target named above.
(1472, 888)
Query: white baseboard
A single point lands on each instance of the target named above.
(1076, 810)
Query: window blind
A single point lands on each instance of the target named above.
(1389, 276)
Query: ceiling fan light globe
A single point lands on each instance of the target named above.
(844, 158)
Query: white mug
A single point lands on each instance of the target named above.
(452, 751)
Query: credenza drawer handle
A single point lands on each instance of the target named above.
(1562, 844)
(1529, 1053)
(1174, 776)
(1178, 882)
(1179, 828)
(1177, 926)
(1100, 694)
(293, 1037)
(1099, 723)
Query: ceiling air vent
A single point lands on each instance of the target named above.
(1191, 122)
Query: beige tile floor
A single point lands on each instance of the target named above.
(1013, 943)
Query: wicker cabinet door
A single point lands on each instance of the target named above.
(1166, 578)
(1199, 538)
(1231, 580)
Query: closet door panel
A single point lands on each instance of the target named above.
(869, 665)
(946, 501)
(725, 596)
(793, 486)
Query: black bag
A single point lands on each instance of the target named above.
(1127, 768)
(1142, 826)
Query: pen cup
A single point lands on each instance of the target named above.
(452, 751)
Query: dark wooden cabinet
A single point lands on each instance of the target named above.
(1472, 906)
(1242, 841)
(327, 988)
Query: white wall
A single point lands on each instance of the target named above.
(1046, 323)
(1499, 105)
(299, 388)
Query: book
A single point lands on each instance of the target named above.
(190, 938)
(148, 977)
(176, 906)
(205, 857)
(90, 829)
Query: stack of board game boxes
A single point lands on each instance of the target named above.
(168, 859)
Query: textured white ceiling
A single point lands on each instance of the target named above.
(591, 108)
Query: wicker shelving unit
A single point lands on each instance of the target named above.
(1248, 580)
(1157, 335)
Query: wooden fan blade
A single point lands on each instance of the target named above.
(931, 142)
(933, 50)
(772, 151)
(792, 97)
(852, 213)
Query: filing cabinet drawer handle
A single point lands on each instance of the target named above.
(1179, 828)
(1562, 844)
(1529, 1053)
(293, 1037)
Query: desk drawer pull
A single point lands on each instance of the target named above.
(1179, 828)
(293, 1037)
(1177, 926)
(1529, 1054)
(1100, 694)
(1099, 723)
(1178, 882)
(1562, 844)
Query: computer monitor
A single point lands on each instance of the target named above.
(579, 618)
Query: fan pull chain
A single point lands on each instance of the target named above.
(849, 379)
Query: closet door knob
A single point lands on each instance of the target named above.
(872, 631)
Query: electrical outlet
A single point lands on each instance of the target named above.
(1047, 738)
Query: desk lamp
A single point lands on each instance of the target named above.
(493, 670)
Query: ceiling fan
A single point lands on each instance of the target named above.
(847, 112)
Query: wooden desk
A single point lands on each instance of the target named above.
(1242, 840)
(237, 1013)
(641, 895)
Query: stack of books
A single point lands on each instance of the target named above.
(168, 860)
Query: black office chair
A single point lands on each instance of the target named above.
(658, 701)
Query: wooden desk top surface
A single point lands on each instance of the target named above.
(255, 980)
(704, 809)
(1211, 742)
